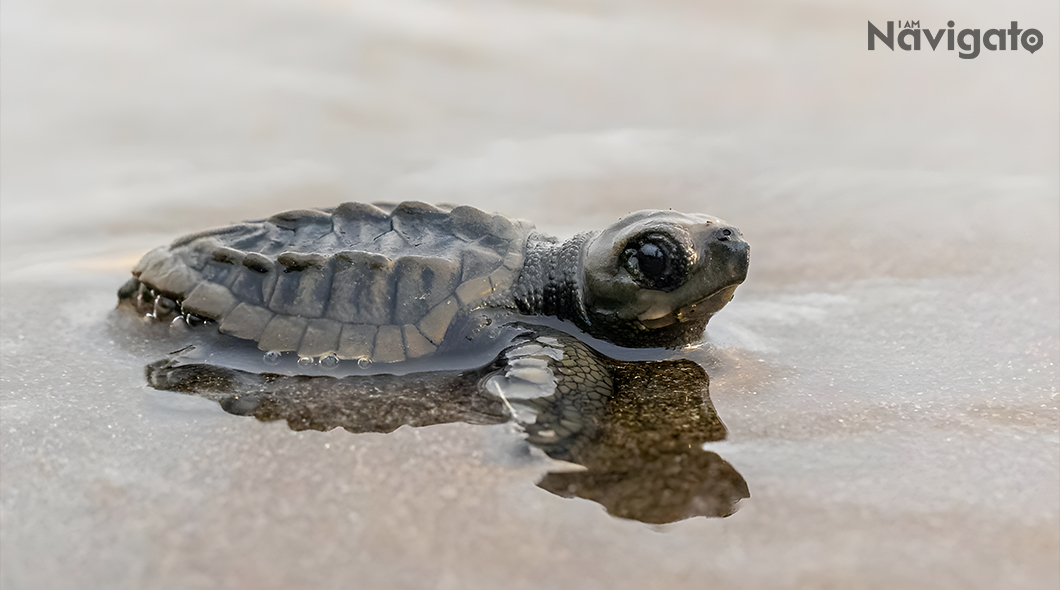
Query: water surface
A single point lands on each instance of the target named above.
(887, 374)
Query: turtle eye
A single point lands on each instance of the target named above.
(654, 262)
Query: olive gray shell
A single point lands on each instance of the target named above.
(359, 281)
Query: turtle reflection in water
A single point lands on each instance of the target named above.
(370, 317)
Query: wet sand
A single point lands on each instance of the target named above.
(888, 373)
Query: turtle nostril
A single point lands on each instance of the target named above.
(724, 234)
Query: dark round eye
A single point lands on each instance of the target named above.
(652, 261)
(655, 262)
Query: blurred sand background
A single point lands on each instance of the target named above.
(889, 372)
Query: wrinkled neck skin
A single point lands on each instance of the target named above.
(550, 278)
(550, 284)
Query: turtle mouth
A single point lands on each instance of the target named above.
(701, 310)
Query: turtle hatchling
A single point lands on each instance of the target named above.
(377, 291)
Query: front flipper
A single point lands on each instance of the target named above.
(369, 403)
(637, 427)
(557, 388)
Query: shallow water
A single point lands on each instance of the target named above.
(888, 373)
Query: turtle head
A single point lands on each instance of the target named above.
(656, 277)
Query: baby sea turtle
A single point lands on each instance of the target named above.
(390, 283)
(372, 316)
